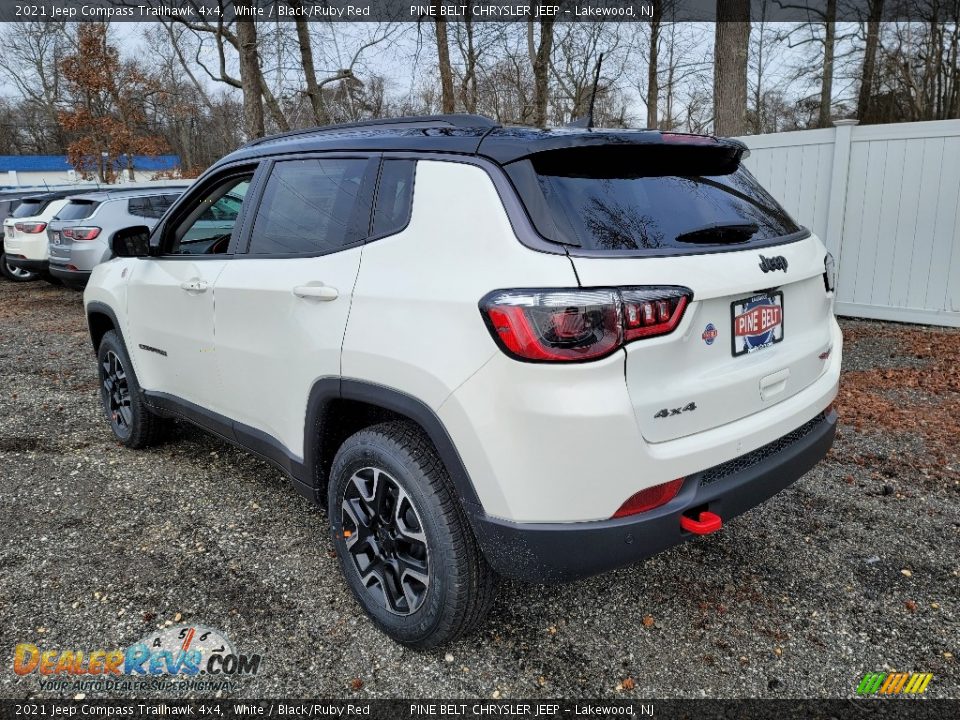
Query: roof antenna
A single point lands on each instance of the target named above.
(587, 122)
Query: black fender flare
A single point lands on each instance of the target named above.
(326, 390)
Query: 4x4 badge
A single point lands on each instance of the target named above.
(667, 412)
(777, 262)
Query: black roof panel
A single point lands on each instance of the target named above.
(460, 134)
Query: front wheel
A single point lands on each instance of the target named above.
(15, 274)
(404, 544)
(130, 419)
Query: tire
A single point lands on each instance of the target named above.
(15, 274)
(391, 474)
(131, 420)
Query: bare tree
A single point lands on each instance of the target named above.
(541, 68)
(730, 67)
(653, 84)
(250, 71)
(868, 68)
(443, 60)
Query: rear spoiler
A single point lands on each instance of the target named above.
(504, 146)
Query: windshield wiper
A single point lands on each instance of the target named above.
(720, 233)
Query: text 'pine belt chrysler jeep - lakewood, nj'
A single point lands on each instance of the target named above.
(488, 350)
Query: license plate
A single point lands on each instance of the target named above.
(756, 322)
(56, 238)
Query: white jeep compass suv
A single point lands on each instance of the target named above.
(487, 350)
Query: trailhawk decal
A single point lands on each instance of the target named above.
(756, 322)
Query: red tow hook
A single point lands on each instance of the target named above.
(708, 523)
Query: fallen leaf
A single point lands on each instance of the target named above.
(648, 620)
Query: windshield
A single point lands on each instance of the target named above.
(634, 204)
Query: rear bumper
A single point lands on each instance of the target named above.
(37, 266)
(71, 277)
(559, 552)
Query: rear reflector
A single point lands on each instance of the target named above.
(652, 497)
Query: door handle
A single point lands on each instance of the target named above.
(197, 286)
(318, 292)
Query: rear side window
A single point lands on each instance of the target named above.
(77, 210)
(29, 208)
(394, 197)
(642, 200)
(151, 206)
(312, 206)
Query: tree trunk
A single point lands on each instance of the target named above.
(443, 58)
(730, 52)
(653, 85)
(541, 70)
(250, 79)
(829, 45)
(306, 60)
(869, 60)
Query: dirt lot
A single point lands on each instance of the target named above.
(854, 569)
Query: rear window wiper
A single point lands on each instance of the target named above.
(720, 233)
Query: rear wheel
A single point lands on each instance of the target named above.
(130, 419)
(404, 544)
(15, 274)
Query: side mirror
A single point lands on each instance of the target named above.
(131, 241)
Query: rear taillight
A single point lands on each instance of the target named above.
(652, 497)
(31, 227)
(576, 325)
(81, 233)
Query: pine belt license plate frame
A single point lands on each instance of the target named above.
(767, 337)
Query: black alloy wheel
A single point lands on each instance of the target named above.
(385, 540)
(115, 391)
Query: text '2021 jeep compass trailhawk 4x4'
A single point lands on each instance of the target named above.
(534, 353)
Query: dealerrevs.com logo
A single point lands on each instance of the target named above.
(894, 683)
(180, 653)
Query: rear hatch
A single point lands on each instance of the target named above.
(75, 213)
(758, 326)
(27, 210)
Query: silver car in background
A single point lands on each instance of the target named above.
(79, 234)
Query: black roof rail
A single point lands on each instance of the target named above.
(456, 120)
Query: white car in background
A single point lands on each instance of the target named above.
(26, 253)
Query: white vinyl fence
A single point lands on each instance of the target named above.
(885, 199)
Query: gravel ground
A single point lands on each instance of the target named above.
(851, 570)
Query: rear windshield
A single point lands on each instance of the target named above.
(29, 208)
(77, 210)
(647, 200)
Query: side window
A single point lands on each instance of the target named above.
(312, 206)
(151, 206)
(209, 222)
(394, 197)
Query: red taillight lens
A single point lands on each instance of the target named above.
(653, 311)
(31, 227)
(580, 324)
(650, 498)
(555, 325)
(81, 233)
